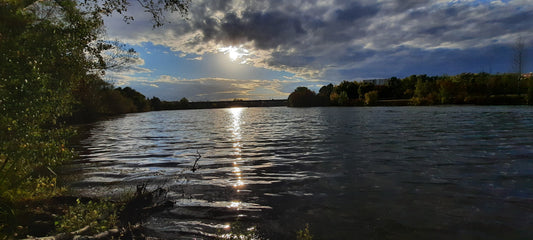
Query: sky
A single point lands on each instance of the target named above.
(237, 49)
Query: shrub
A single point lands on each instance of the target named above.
(100, 216)
(371, 98)
(304, 234)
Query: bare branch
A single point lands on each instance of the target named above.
(195, 165)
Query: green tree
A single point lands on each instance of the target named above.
(364, 88)
(371, 98)
(395, 86)
(425, 90)
(302, 97)
(339, 99)
(447, 91)
(139, 100)
(42, 60)
(326, 90)
(529, 90)
(156, 104)
(324, 95)
(351, 89)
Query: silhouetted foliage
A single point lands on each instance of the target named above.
(323, 95)
(156, 104)
(184, 102)
(302, 97)
(351, 89)
(371, 98)
(139, 100)
(464, 88)
(529, 95)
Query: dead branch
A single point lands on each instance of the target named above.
(195, 165)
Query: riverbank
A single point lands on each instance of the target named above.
(73, 217)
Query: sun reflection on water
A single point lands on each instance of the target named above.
(237, 179)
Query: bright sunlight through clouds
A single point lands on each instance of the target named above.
(235, 53)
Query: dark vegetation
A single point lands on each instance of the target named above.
(52, 65)
(157, 104)
(465, 88)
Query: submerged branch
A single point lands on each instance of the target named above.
(195, 165)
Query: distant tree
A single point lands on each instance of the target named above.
(447, 91)
(184, 102)
(364, 88)
(530, 90)
(114, 102)
(371, 98)
(351, 89)
(156, 104)
(408, 85)
(339, 99)
(324, 95)
(302, 97)
(139, 100)
(326, 90)
(426, 92)
(395, 86)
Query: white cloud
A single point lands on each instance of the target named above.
(209, 89)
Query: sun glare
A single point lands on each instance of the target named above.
(235, 53)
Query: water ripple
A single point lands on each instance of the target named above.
(397, 173)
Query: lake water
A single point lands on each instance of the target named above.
(350, 173)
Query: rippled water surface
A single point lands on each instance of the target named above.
(350, 173)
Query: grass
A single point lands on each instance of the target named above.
(304, 234)
(38, 207)
(99, 215)
(19, 206)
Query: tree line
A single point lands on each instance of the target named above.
(465, 88)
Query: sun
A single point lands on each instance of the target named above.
(235, 53)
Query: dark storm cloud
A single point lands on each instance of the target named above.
(266, 29)
(355, 11)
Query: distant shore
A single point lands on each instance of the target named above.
(494, 100)
(223, 104)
